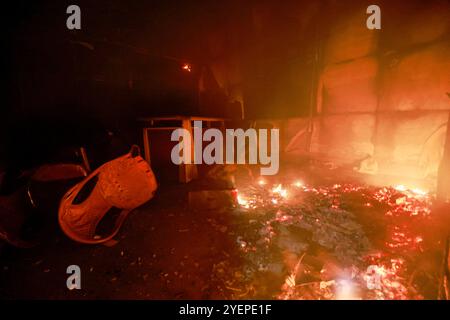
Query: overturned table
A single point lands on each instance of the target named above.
(186, 172)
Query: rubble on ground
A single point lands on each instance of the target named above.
(304, 242)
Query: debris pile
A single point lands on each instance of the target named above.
(329, 242)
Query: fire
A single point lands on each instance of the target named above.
(186, 67)
(242, 201)
(346, 290)
(262, 182)
(400, 187)
(419, 192)
(414, 191)
(298, 184)
(279, 190)
(385, 281)
(377, 276)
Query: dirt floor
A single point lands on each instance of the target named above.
(164, 252)
(307, 243)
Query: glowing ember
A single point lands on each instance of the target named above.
(346, 290)
(280, 191)
(324, 212)
(419, 192)
(298, 184)
(400, 187)
(186, 67)
(413, 191)
(242, 201)
(384, 280)
(262, 182)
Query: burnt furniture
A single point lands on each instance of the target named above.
(186, 172)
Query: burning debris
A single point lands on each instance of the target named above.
(336, 241)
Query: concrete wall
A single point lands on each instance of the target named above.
(382, 93)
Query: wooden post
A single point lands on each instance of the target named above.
(146, 145)
(188, 172)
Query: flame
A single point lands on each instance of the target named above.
(262, 182)
(415, 191)
(186, 67)
(242, 201)
(419, 192)
(298, 184)
(346, 290)
(279, 190)
(385, 279)
(400, 187)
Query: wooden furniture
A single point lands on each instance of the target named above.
(186, 172)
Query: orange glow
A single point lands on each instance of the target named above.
(186, 67)
(279, 190)
(400, 187)
(346, 290)
(242, 201)
(262, 182)
(298, 184)
(415, 191)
